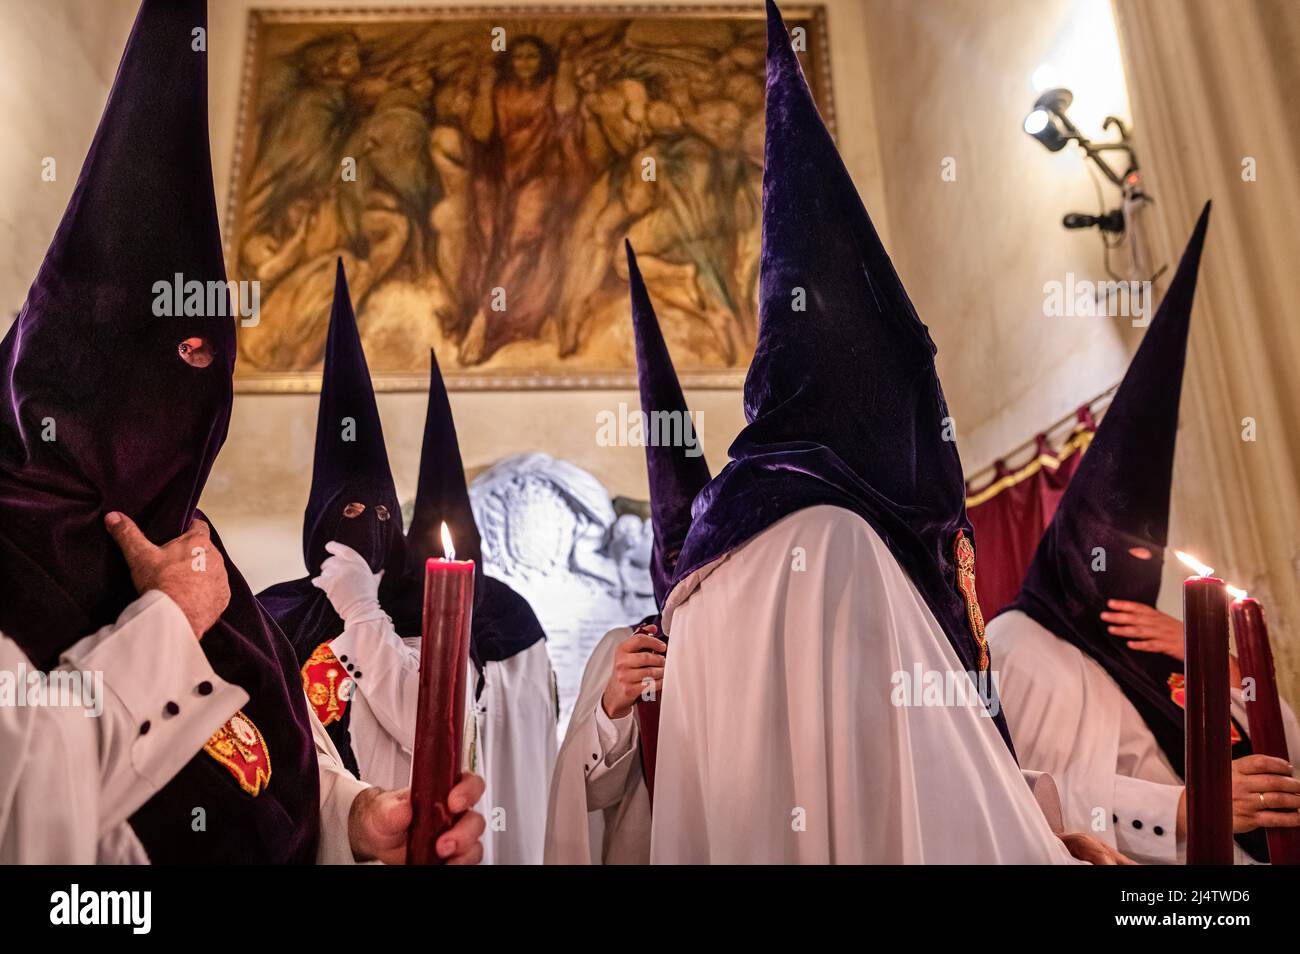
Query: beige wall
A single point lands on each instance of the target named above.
(57, 59)
(953, 79)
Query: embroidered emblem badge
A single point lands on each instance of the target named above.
(239, 746)
(327, 686)
(1178, 693)
(964, 551)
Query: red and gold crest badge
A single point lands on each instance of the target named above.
(1178, 693)
(964, 551)
(239, 746)
(327, 685)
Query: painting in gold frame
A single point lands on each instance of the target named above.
(477, 170)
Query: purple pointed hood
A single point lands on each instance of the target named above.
(115, 399)
(1116, 507)
(441, 493)
(675, 476)
(352, 499)
(842, 397)
(1118, 501)
(504, 623)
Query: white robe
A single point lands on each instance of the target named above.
(778, 739)
(339, 788)
(52, 811)
(1070, 718)
(513, 730)
(599, 810)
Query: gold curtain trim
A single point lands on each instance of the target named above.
(1078, 441)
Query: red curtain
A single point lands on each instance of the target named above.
(1011, 512)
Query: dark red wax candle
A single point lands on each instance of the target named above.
(647, 717)
(440, 711)
(1263, 711)
(1208, 772)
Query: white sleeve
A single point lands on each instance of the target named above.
(616, 735)
(48, 804)
(160, 697)
(1146, 820)
(613, 751)
(339, 788)
(386, 671)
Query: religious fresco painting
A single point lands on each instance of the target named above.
(477, 172)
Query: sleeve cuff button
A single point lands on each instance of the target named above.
(205, 688)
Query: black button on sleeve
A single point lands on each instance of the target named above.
(145, 726)
(172, 709)
(204, 688)
(1137, 823)
(1158, 830)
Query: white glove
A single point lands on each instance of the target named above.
(352, 589)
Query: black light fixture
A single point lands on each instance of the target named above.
(1048, 123)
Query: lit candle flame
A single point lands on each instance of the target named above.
(1194, 564)
(448, 551)
(1237, 592)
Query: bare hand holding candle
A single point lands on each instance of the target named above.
(1263, 709)
(440, 711)
(1208, 768)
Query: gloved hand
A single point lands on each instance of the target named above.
(346, 579)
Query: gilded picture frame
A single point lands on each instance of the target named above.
(477, 169)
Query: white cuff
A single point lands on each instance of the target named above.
(339, 788)
(615, 735)
(370, 649)
(162, 700)
(1146, 820)
(613, 750)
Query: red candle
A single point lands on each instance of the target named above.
(440, 711)
(647, 717)
(1208, 769)
(1263, 711)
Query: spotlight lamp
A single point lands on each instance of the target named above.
(1049, 123)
